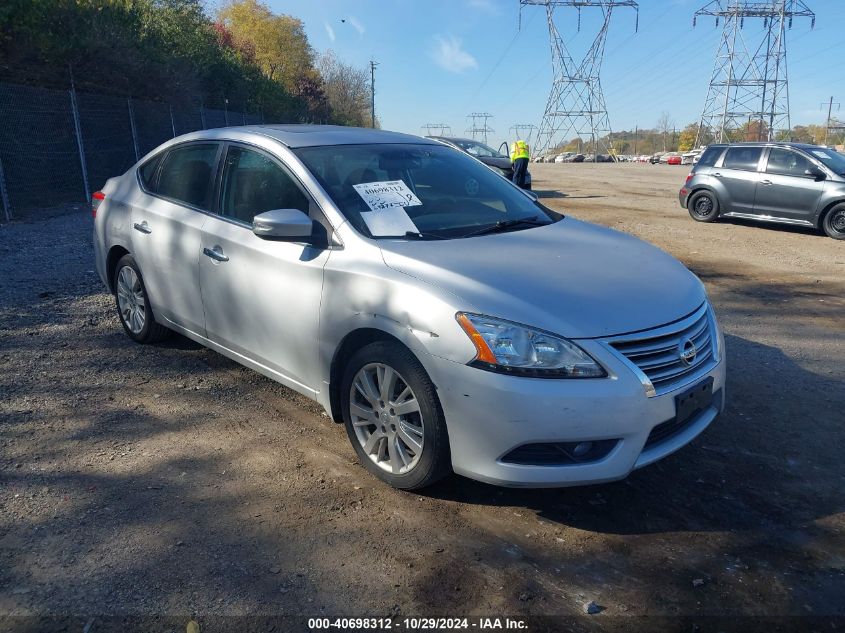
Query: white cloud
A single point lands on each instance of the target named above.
(448, 53)
(329, 30)
(356, 24)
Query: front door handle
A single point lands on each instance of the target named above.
(215, 253)
(766, 182)
(143, 227)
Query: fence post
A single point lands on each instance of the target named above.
(243, 118)
(132, 127)
(172, 122)
(79, 143)
(202, 115)
(4, 195)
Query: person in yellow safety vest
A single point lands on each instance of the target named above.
(519, 157)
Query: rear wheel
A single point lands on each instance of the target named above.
(393, 417)
(133, 305)
(834, 222)
(703, 206)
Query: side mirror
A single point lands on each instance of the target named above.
(283, 224)
(815, 173)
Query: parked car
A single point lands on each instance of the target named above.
(788, 183)
(575, 158)
(448, 319)
(656, 158)
(487, 155)
(673, 159)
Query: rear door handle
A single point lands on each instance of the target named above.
(215, 254)
(717, 175)
(143, 227)
(766, 182)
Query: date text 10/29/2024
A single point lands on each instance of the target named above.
(418, 624)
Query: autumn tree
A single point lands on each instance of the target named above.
(347, 90)
(686, 140)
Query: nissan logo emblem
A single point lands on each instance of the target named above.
(687, 351)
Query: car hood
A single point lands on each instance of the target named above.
(572, 278)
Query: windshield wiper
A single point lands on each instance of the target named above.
(504, 225)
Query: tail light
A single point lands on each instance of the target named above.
(689, 178)
(96, 200)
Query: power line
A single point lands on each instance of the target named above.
(482, 129)
(436, 129)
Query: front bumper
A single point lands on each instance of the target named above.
(489, 415)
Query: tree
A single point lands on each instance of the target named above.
(348, 91)
(280, 46)
(686, 141)
(665, 124)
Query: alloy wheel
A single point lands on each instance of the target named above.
(386, 418)
(131, 300)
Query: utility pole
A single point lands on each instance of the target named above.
(827, 126)
(636, 137)
(749, 80)
(576, 101)
(373, 65)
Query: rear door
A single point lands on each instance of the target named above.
(786, 190)
(262, 297)
(739, 175)
(167, 230)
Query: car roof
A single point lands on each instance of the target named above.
(454, 139)
(805, 146)
(307, 135)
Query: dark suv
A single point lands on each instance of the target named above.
(496, 161)
(789, 183)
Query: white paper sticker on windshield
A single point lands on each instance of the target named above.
(387, 194)
(387, 201)
(820, 154)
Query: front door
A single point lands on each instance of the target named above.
(786, 189)
(262, 297)
(167, 230)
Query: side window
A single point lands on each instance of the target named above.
(787, 163)
(187, 174)
(710, 156)
(147, 171)
(253, 184)
(745, 158)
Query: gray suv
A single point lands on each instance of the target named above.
(788, 183)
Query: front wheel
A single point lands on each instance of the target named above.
(393, 417)
(834, 222)
(703, 206)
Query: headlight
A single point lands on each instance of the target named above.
(511, 348)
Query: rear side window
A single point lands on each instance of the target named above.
(710, 156)
(147, 171)
(187, 174)
(745, 158)
(784, 162)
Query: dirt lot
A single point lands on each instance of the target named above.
(167, 480)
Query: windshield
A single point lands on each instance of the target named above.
(420, 191)
(832, 159)
(479, 150)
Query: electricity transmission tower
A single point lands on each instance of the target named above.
(748, 98)
(827, 126)
(524, 131)
(576, 102)
(477, 129)
(436, 129)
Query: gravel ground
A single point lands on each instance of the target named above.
(168, 481)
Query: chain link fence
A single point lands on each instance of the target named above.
(57, 146)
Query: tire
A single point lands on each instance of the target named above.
(834, 222)
(133, 306)
(406, 450)
(703, 206)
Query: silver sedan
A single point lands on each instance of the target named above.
(446, 317)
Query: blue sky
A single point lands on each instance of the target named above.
(442, 59)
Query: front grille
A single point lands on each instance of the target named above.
(657, 353)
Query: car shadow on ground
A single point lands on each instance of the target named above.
(757, 464)
(552, 194)
(774, 226)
